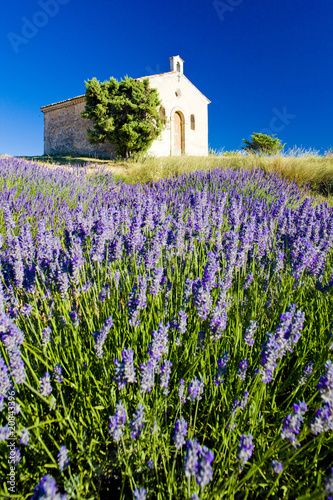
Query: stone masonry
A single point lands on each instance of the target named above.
(65, 131)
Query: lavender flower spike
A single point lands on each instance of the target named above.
(196, 389)
(63, 458)
(165, 376)
(181, 389)
(191, 463)
(100, 337)
(47, 490)
(306, 373)
(45, 385)
(25, 436)
(245, 448)
(292, 423)
(139, 494)
(205, 470)
(249, 334)
(147, 376)
(329, 485)
(180, 433)
(242, 367)
(117, 422)
(277, 467)
(125, 370)
(325, 384)
(137, 422)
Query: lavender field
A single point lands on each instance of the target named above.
(168, 340)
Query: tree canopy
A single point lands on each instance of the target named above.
(263, 144)
(124, 113)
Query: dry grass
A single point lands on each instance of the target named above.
(313, 170)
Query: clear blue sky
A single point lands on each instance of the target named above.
(265, 65)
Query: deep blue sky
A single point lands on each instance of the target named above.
(255, 60)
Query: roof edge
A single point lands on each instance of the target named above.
(81, 98)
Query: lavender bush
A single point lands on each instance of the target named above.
(184, 324)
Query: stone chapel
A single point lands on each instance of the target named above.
(185, 107)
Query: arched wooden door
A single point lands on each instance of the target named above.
(179, 134)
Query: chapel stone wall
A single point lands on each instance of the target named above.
(65, 131)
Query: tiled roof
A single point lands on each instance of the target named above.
(81, 98)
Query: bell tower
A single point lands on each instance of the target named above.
(177, 64)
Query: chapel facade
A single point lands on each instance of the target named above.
(183, 105)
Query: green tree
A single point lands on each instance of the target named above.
(263, 144)
(124, 113)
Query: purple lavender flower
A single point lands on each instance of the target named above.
(63, 458)
(180, 433)
(17, 367)
(26, 310)
(47, 490)
(102, 294)
(292, 423)
(277, 467)
(158, 347)
(198, 460)
(5, 383)
(329, 485)
(25, 436)
(45, 385)
(150, 464)
(137, 300)
(221, 370)
(249, 334)
(165, 376)
(4, 433)
(147, 376)
(211, 269)
(205, 469)
(57, 373)
(181, 327)
(156, 281)
(137, 422)
(181, 389)
(46, 335)
(125, 369)
(116, 278)
(306, 373)
(191, 462)
(245, 448)
(188, 289)
(117, 422)
(218, 320)
(285, 337)
(323, 420)
(248, 281)
(325, 384)
(237, 407)
(100, 337)
(75, 318)
(242, 367)
(139, 494)
(195, 389)
(203, 301)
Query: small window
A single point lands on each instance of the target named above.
(162, 112)
(178, 93)
(192, 122)
(178, 66)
